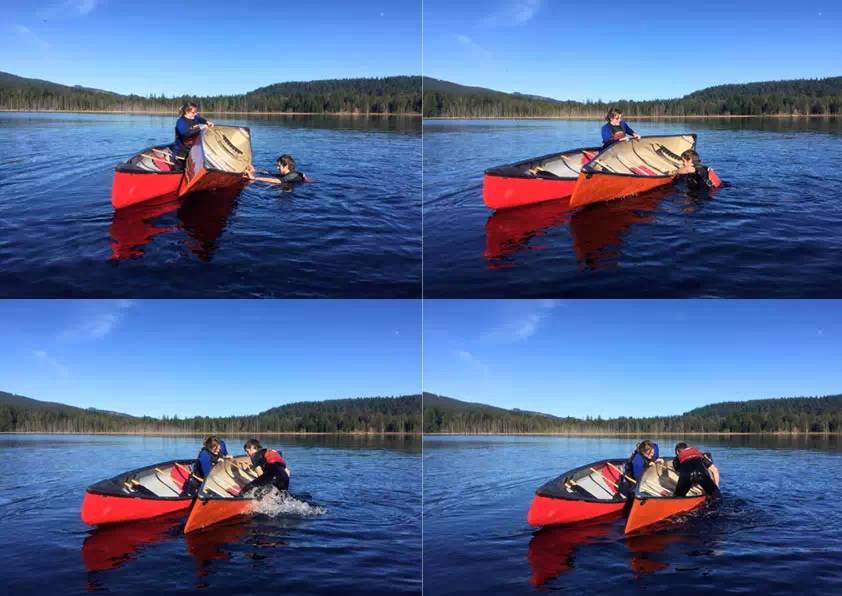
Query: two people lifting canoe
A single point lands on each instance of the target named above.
(691, 465)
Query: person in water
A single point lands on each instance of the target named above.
(272, 465)
(697, 175)
(212, 451)
(644, 455)
(616, 129)
(187, 128)
(694, 467)
(287, 172)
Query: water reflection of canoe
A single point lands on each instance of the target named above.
(109, 547)
(534, 180)
(652, 501)
(219, 497)
(630, 167)
(581, 494)
(144, 176)
(208, 545)
(508, 231)
(217, 160)
(203, 216)
(139, 494)
(551, 550)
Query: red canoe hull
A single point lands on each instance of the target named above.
(130, 188)
(646, 512)
(596, 187)
(208, 512)
(501, 192)
(546, 511)
(100, 509)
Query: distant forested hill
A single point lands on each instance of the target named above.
(797, 97)
(365, 415)
(389, 95)
(787, 415)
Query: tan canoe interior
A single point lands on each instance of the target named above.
(227, 474)
(157, 480)
(155, 160)
(649, 156)
(660, 480)
(566, 165)
(227, 148)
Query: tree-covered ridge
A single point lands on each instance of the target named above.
(797, 97)
(360, 415)
(787, 415)
(388, 95)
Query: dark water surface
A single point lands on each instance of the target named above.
(776, 530)
(360, 532)
(355, 231)
(773, 231)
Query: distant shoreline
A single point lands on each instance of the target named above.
(600, 118)
(174, 114)
(210, 432)
(637, 434)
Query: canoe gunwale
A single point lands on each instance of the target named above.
(112, 487)
(589, 171)
(127, 168)
(547, 494)
(509, 170)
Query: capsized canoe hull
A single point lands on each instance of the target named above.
(218, 160)
(535, 180)
(581, 494)
(119, 500)
(646, 512)
(141, 178)
(630, 168)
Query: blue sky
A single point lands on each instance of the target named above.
(208, 47)
(630, 357)
(208, 357)
(640, 50)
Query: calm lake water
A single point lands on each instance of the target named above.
(361, 532)
(775, 531)
(355, 231)
(773, 231)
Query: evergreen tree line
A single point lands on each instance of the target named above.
(796, 98)
(360, 415)
(389, 95)
(789, 415)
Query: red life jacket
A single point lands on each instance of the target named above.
(688, 454)
(273, 457)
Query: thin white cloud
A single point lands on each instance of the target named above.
(57, 367)
(524, 323)
(512, 13)
(473, 48)
(70, 8)
(28, 36)
(100, 324)
(472, 361)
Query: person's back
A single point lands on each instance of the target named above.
(694, 467)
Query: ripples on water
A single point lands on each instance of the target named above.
(355, 231)
(354, 526)
(775, 529)
(772, 231)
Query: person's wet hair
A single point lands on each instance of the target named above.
(680, 446)
(252, 443)
(691, 155)
(211, 442)
(187, 106)
(286, 160)
(612, 113)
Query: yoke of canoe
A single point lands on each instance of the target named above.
(138, 494)
(654, 501)
(580, 494)
(630, 167)
(535, 180)
(217, 160)
(219, 498)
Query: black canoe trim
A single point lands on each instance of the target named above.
(551, 489)
(512, 170)
(113, 487)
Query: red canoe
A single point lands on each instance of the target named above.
(578, 495)
(139, 494)
(144, 176)
(535, 180)
(630, 167)
(218, 160)
(218, 498)
(653, 500)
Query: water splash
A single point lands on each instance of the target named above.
(277, 504)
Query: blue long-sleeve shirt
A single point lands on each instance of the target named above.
(608, 132)
(205, 461)
(184, 130)
(639, 463)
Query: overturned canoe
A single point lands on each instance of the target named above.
(149, 174)
(217, 160)
(139, 494)
(653, 501)
(219, 497)
(630, 167)
(535, 180)
(580, 494)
